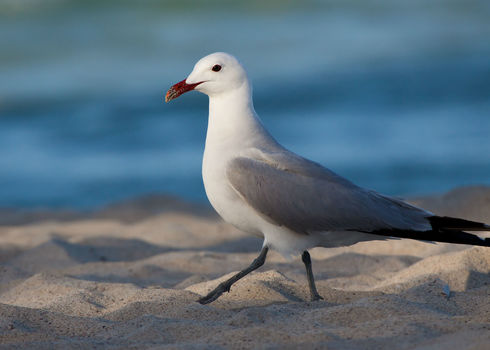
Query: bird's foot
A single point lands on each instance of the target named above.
(316, 297)
(214, 294)
(226, 285)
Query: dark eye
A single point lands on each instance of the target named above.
(216, 68)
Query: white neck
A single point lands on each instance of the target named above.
(232, 120)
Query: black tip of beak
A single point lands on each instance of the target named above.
(178, 89)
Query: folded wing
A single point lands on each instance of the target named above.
(305, 197)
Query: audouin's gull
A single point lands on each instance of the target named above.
(293, 203)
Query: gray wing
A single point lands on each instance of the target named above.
(305, 197)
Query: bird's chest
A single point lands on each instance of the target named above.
(224, 199)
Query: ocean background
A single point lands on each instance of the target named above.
(394, 95)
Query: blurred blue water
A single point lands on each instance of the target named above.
(394, 96)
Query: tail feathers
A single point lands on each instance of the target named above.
(449, 223)
(444, 229)
(450, 236)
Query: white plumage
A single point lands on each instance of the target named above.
(293, 203)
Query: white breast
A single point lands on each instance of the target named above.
(224, 199)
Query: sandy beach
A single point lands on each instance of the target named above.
(128, 277)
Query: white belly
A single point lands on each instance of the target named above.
(226, 201)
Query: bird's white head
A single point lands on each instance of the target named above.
(212, 75)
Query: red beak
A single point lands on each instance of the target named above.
(178, 89)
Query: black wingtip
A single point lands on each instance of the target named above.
(449, 236)
(444, 229)
(447, 223)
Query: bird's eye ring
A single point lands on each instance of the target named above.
(216, 68)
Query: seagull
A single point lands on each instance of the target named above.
(291, 202)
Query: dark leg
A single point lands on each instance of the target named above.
(309, 273)
(226, 285)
